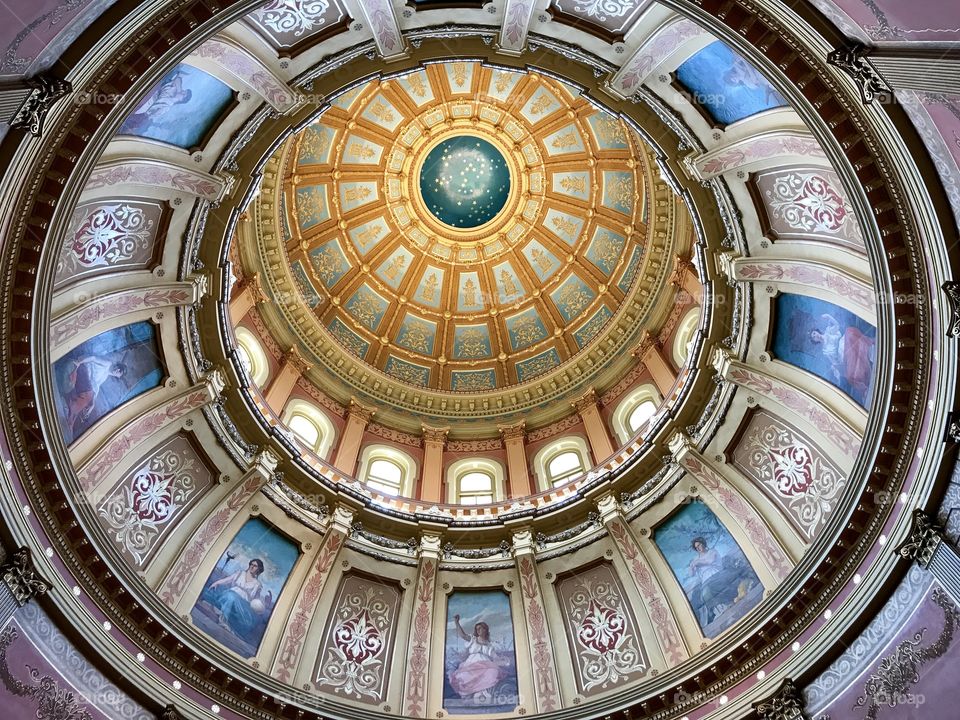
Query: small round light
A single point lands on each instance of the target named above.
(827, 614)
(177, 685)
(883, 540)
(796, 646)
(761, 675)
(857, 579)
(215, 708)
(26, 511)
(107, 626)
(723, 699)
(48, 552)
(141, 657)
(76, 590)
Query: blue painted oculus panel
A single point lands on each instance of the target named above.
(543, 262)
(525, 329)
(355, 344)
(727, 85)
(407, 372)
(394, 268)
(312, 206)
(315, 145)
(430, 288)
(304, 285)
(471, 341)
(181, 109)
(464, 181)
(329, 262)
(586, 332)
(828, 341)
(715, 575)
(106, 371)
(473, 380)
(241, 593)
(479, 659)
(537, 365)
(367, 307)
(605, 249)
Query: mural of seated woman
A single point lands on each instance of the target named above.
(479, 673)
(717, 583)
(241, 604)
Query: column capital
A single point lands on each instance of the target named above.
(45, 91)
(293, 357)
(609, 508)
(586, 401)
(647, 343)
(680, 444)
(430, 545)
(360, 411)
(264, 462)
(787, 703)
(924, 538)
(20, 576)
(681, 265)
(342, 519)
(852, 60)
(255, 285)
(435, 435)
(523, 542)
(514, 431)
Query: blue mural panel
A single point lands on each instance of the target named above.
(469, 294)
(473, 380)
(367, 307)
(304, 284)
(100, 375)
(525, 329)
(367, 236)
(605, 249)
(608, 131)
(729, 87)
(618, 191)
(715, 575)
(417, 334)
(471, 342)
(480, 660)
(407, 372)
(543, 262)
(564, 141)
(537, 365)
(430, 288)
(239, 597)
(355, 344)
(394, 268)
(572, 297)
(564, 226)
(312, 206)
(315, 145)
(574, 184)
(509, 288)
(586, 332)
(329, 262)
(181, 109)
(828, 341)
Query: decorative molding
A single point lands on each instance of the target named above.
(513, 432)
(853, 61)
(20, 576)
(924, 539)
(45, 91)
(516, 23)
(546, 682)
(951, 289)
(415, 694)
(787, 703)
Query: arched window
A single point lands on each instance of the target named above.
(560, 462)
(635, 411)
(310, 426)
(252, 357)
(475, 481)
(387, 470)
(683, 340)
(640, 414)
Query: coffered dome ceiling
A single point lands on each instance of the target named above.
(605, 339)
(465, 227)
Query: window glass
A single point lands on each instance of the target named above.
(640, 414)
(245, 359)
(564, 463)
(304, 429)
(476, 488)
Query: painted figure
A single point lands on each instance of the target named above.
(240, 600)
(479, 673)
(715, 581)
(850, 353)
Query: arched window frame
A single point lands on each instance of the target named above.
(319, 419)
(259, 366)
(686, 330)
(407, 464)
(546, 455)
(621, 416)
(465, 466)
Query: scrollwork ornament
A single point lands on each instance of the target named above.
(21, 577)
(925, 536)
(951, 289)
(46, 90)
(852, 60)
(785, 704)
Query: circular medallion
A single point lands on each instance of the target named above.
(464, 181)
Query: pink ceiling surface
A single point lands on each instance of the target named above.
(34, 33)
(918, 20)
